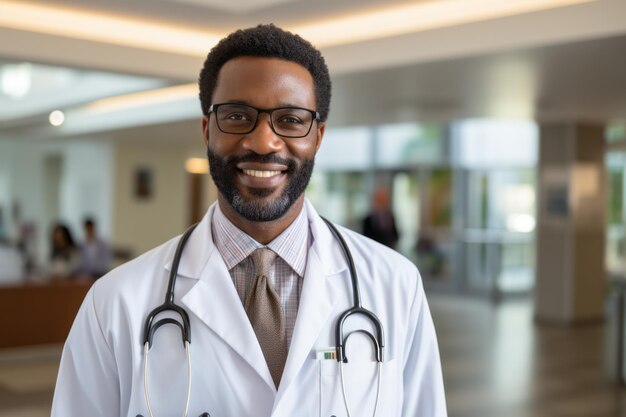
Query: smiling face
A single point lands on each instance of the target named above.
(260, 175)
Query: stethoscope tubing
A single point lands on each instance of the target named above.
(183, 324)
(340, 340)
(168, 303)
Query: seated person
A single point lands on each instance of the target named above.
(95, 253)
(64, 254)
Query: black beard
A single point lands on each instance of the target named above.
(224, 170)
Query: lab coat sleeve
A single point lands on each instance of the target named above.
(423, 381)
(87, 384)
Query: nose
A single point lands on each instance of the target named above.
(262, 140)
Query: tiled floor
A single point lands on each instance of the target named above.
(27, 378)
(497, 363)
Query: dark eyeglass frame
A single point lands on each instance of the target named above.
(213, 108)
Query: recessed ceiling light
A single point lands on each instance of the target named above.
(56, 118)
(16, 80)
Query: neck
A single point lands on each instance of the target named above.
(262, 232)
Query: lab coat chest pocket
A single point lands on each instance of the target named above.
(361, 382)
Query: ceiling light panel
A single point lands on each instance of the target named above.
(239, 6)
(103, 28)
(357, 27)
(418, 17)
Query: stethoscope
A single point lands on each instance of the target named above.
(340, 339)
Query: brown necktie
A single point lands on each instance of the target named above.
(266, 314)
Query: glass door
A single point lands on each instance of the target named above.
(496, 230)
(616, 214)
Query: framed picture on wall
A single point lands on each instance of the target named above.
(143, 183)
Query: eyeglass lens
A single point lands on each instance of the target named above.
(288, 121)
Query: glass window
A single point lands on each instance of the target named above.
(616, 132)
(487, 143)
(402, 145)
(497, 239)
(345, 149)
(616, 213)
(340, 196)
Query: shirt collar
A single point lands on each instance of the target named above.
(235, 245)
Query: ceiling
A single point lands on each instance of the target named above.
(583, 81)
(562, 63)
(228, 15)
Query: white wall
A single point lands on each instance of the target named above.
(141, 224)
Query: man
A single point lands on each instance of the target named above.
(262, 277)
(380, 224)
(94, 254)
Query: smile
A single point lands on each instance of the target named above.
(260, 174)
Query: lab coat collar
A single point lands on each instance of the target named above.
(200, 246)
(198, 250)
(325, 243)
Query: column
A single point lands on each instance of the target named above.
(570, 280)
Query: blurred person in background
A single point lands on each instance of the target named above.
(94, 254)
(380, 224)
(63, 254)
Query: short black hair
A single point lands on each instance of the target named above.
(272, 42)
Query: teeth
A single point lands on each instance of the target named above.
(261, 174)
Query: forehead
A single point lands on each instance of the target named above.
(265, 83)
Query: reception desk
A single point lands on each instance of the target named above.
(39, 313)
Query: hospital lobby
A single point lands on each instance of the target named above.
(495, 129)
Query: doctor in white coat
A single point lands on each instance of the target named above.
(256, 89)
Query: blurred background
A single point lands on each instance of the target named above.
(483, 139)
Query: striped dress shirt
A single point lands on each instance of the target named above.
(287, 271)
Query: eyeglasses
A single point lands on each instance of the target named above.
(288, 122)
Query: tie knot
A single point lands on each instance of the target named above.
(263, 258)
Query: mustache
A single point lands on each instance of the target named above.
(266, 159)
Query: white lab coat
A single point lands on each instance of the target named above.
(101, 372)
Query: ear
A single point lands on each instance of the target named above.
(205, 129)
(321, 128)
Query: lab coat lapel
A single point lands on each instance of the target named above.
(316, 305)
(214, 299)
(320, 294)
